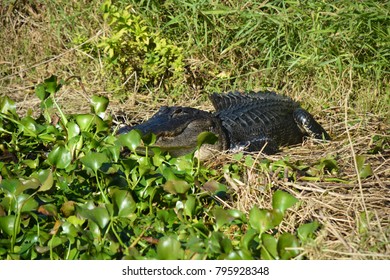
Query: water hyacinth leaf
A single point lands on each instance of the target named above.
(94, 160)
(68, 208)
(307, 231)
(237, 214)
(60, 157)
(99, 105)
(260, 219)
(40, 92)
(149, 139)
(206, 137)
(7, 105)
(51, 85)
(85, 121)
(169, 248)
(248, 238)
(7, 224)
(176, 186)
(124, 204)
(364, 169)
(48, 210)
(10, 185)
(46, 178)
(288, 246)
(98, 215)
(239, 255)
(189, 205)
(30, 183)
(282, 200)
(131, 140)
(26, 203)
(269, 247)
(72, 129)
(100, 124)
(222, 217)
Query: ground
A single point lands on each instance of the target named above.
(38, 40)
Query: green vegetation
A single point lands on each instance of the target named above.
(69, 194)
(71, 189)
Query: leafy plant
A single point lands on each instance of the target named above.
(133, 48)
(67, 192)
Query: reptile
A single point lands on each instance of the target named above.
(252, 121)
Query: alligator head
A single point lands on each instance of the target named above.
(177, 129)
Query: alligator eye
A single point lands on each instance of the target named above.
(177, 112)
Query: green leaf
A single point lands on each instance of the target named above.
(189, 205)
(7, 224)
(41, 92)
(72, 129)
(307, 231)
(124, 204)
(98, 215)
(26, 203)
(288, 246)
(94, 160)
(176, 186)
(51, 84)
(85, 121)
(364, 169)
(260, 219)
(169, 248)
(206, 137)
(7, 105)
(248, 238)
(269, 247)
(131, 140)
(99, 105)
(10, 185)
(45, 176)
(60, 157)
(282, 200)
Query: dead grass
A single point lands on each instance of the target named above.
(36, 52)
(338, 206)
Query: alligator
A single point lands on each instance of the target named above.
(253, 121)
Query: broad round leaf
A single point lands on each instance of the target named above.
(282, 200)
(131, 140)
(288, 246)
(98, 215)
(260, 219)
(189, 205)
(169, 248)
(26, 203)
(94, 160)
(73, 129)
(269, 247)
(60, 157)
(85, 121)
(306, 231)
(206, 137)
(7, 105)
(176, 186)
(7, 224)
(99, 105)
(124, 204)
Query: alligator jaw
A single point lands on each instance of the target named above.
(177, 129)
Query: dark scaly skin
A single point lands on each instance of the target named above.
(261, 121)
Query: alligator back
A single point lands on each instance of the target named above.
(258, 121)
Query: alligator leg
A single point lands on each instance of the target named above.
(264, 144)
(307, 124)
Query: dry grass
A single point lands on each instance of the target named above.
(338, 206)
(36, 52)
